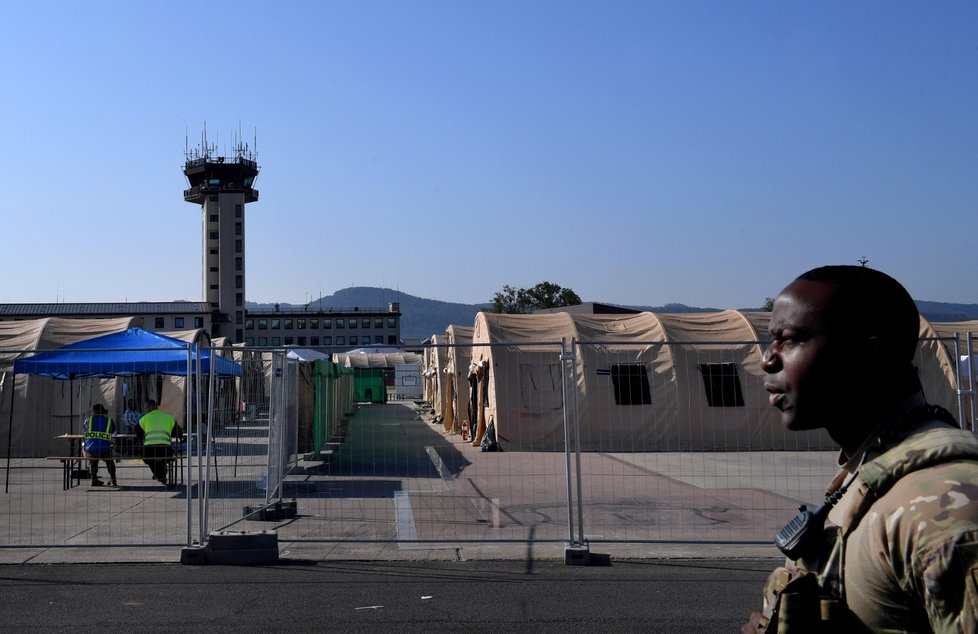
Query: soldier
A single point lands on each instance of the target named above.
(895, 546)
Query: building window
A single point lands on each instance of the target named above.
(237, 228)
(341, 340)
(313, 324)
(288, 324)
(327, 323)
(213, 287)
(239, 299)
(214, 269)
(391, 340)
(313, 341)
(353, 340)
(365, 322)
(198, 322)
(239, 281)
(212, 218)
(239, 319)
(352, 323)
(238, 211)
(276, 324)
(722, 384)
(340, 323)
(300, 324)
(378, 322)
(178, 322)
(289, 341)
(239, 334)
(262, 324)
(631, 382)
(392, 322)
(249, 324)
(262, 341)
(250, 341)
(327, 341)
(212, 235)
(158, 323)
(213, 251)
(379, 339)
(238, 264)
(237, 246)
(302, 341)
(276, 341)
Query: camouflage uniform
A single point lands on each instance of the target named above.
(900, 548)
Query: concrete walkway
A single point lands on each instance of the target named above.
(400, 488)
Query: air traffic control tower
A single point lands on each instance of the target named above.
(222, 186)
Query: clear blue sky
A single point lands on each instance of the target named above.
(637, 152)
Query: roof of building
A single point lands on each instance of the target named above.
(103, 308)
(591, 308)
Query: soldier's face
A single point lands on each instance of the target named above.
(805, 362)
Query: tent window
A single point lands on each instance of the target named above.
(631, 384)
(722, 385)
(540, 387)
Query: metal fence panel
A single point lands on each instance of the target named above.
(676, 446)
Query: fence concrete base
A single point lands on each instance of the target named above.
(233, 548)
(577, 555)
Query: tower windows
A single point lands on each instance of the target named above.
(238, 211)
(237, 229)
(238, 245)
(212, 235)
(238, 264)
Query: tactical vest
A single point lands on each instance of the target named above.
(819, 596)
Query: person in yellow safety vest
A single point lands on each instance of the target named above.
(156, 427)
(98, 443)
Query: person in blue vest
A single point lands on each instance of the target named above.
(98, 443)
(156, 428)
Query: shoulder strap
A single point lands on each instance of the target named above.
(918, 451)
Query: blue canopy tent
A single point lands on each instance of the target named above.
(132, 351)
(125, 353)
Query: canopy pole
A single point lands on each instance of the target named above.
(10, 425)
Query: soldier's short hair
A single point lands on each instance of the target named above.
(870, 303)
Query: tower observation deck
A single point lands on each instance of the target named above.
(222, 186)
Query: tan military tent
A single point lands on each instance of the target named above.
(44, 407)
(642, 382)
(458, 354)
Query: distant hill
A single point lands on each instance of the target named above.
(423, 317)
(941, 311)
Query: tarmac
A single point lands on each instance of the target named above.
(458, 503)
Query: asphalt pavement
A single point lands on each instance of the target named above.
(704, 595)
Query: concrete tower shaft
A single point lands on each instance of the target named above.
(222, 186)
